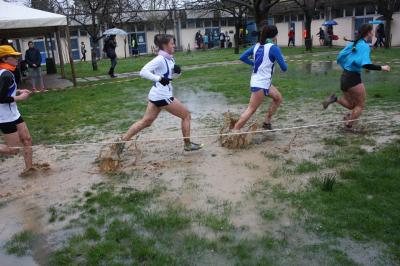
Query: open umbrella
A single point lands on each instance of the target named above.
(329, 23)
(376, 22)
(115, 31)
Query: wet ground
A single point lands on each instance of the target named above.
(198, 180)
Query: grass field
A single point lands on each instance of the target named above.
(344, 213)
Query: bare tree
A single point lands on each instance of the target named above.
(309, 8)
(387, 8)
(94, 16)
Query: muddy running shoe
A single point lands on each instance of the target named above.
(267, 126)
(329, 100)
(193, 146)
(28, 172)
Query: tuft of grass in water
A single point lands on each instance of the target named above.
(306, 167)
(268, 215)
(324, 183)
(251, 166)
(215, 222)
(53, 214)
(20, 244)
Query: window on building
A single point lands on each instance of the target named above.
(131, 27)
(73, 33)
(140, 27)
(300, 17)
(224, 22)
(370, 9)
(337, 12)
(149, 27)
(348, 11)
(293, 18)
(231, 22)
(199, 23)
(286, 18)
(215, 23)
(183, 24)
(360, 11)
(207, 23)
(278, 19)
(191, 23)
(83, 33)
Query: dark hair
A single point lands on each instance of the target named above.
(162, 39)
(362, 33)
(268, 32)
(30, 42)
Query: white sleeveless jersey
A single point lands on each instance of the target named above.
(263, 67)
(9, 111)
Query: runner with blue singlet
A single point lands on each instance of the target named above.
(354, 57)
(265, 53)
(161, 70)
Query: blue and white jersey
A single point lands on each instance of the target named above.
(154, 70)
(264, 57)
(8, 110)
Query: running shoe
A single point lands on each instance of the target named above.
(329, 100)
(193, 146)
(267, 126)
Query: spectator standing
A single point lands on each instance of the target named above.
(34, 61)
(291, 35)
(109, 49)
(83, 51)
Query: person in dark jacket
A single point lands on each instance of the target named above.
(109, 48)
(34, 61)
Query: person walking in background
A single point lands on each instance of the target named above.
(222, 40)
(227, 39)
(83, 51)
(321, 35)
(291, 37)
(134, 45)
(199, 39)
(206, 43)
(380, 35)
(109, 49)
(34, 61)
(329, 32)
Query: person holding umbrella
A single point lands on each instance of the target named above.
(109, 49)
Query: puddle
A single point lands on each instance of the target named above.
(320, 67)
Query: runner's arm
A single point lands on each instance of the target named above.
(5, 83)
(276, 55)
(245, 56)
(148, 70)
(372, 67)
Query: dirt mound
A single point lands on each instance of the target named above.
(236, 141)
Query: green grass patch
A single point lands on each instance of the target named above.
(365, 206)
(20, 244)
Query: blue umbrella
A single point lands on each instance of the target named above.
(329, 23)
(376, 22)
(115, 31)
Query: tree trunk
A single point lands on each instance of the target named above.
(388, 26)
(308, 40)
(95, 44)
(236, 37)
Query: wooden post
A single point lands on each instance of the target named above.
(71, 60)
(60, 53)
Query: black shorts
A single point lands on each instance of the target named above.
(162, 103)
(349, 79)
(10, 127)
